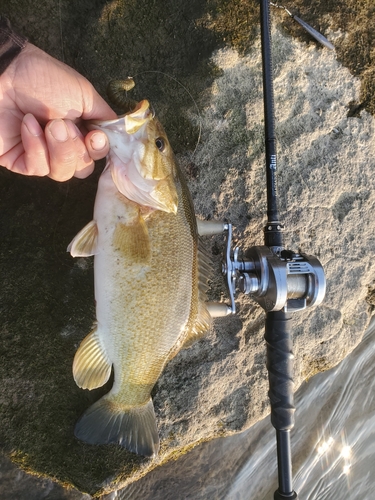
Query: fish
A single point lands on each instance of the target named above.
(150, 278)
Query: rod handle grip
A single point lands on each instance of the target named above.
(280, 362)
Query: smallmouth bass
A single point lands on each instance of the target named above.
(150, 281)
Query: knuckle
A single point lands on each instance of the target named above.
(60, 176)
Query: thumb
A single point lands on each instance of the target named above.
(94, 106)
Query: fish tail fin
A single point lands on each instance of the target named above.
(133, 428)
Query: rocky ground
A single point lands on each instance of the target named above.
(325, 129)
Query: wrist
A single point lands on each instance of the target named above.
(8, 77)
(11, 44)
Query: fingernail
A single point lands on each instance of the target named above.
(59, 130)
(98, 141)
(73, 129)
(32, 125)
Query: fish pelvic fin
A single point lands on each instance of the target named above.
(133, 428)
(84, 243)
(91, 365)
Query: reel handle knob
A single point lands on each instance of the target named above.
(218, 309)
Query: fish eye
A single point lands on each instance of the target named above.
(160, 143)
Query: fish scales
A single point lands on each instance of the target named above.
(149, 290)
(155, 296)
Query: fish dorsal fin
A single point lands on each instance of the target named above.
(91, 365)
(203, 320)
(84, 243)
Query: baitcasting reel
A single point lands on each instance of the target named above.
(276, 278)
(282, 282)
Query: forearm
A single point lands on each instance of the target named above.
(11, 44)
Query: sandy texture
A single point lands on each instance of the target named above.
(326, 186)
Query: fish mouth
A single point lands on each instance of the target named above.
(129, 122)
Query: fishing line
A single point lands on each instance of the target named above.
(313, 32)
(189, 94)
(61, 33)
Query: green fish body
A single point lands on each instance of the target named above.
(150, 281)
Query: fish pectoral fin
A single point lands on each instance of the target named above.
(91, 365)
(133, 428)
(84, 243)
(133, 241)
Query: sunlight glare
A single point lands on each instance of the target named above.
(346, 469)
(346, 452)
(325, 446)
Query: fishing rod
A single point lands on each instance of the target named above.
(281, 281)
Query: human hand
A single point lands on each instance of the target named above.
(39, 91)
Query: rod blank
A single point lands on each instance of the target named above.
(315, 34)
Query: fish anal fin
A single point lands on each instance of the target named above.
(132, 241)
(91, 365)
(133, 428)
(84, 243)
